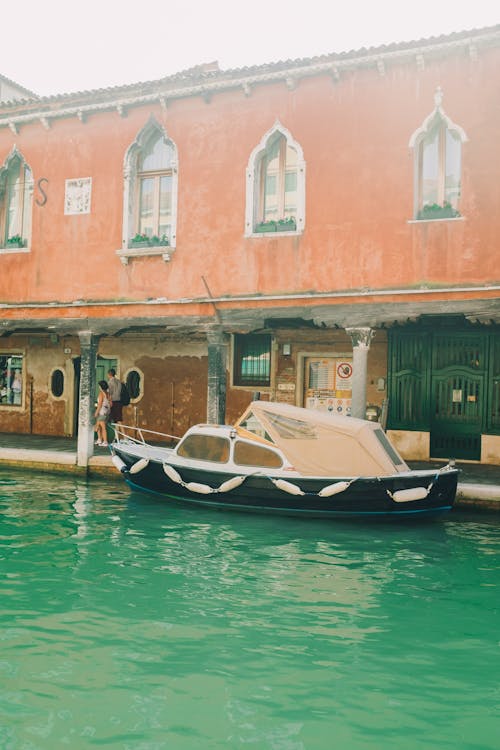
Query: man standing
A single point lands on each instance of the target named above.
(115, 392)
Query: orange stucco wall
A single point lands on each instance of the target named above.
(359, 190)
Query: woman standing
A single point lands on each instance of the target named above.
(102, 413)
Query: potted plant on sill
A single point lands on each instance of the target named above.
(142, 240)
(15, 241)
(435, 211)
(155, 240)
(266, 226)
(287, 225)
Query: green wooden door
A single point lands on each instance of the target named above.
(458, 394)
(102, 368)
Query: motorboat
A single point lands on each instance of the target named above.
(283, 459)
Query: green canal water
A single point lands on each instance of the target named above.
(127, 622)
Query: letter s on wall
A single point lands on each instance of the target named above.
(41, 201)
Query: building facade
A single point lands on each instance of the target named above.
(322, 231)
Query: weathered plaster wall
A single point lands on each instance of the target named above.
(354, 134)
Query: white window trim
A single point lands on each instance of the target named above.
(414, 143)
(16, 154)
(126, 253)
(252, 188)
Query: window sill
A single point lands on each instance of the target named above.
(272, 233)
(433, 221)
(13, 249)
(128, 253)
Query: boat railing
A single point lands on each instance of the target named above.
(137, 435)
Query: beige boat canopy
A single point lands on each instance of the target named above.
(319, 444)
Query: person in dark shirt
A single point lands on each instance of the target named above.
(115, 388)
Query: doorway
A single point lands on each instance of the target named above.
(103, 365)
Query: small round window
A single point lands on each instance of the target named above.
(57, 383)
(134, 384)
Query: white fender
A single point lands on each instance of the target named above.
(231, 484)
(120, 465)
(333, 489)
(202, 489)
(282, 484)
(406, 496)
(139, 465)
(172, 473)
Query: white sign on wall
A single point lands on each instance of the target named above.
(77, 196)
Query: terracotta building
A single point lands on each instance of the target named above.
(321, 231)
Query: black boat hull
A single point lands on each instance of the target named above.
(363, 496)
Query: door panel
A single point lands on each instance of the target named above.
(458, 394)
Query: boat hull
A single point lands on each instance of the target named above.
(395, 495)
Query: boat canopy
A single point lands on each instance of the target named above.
(320, 444)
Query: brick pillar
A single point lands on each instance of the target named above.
(216, 395)
(361, 339)
(88, 360)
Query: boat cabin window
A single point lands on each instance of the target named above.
(247, 454)
(205, 448)
(252, 424)
(384, 442)
(287, 427)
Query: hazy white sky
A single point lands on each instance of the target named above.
(56, 46)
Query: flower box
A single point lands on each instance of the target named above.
(282, 225)
(16, 241)
(286, 225)
(265, 226)
(142, 240)
(435, 211)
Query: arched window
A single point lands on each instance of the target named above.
(154, 188)
(150, 195)
(16, 192)
(275, 185)
(438, 166)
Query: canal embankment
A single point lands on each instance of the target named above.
(478, 484)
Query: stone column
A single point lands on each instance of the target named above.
(216, 395)
(361, 339)
(88, 360)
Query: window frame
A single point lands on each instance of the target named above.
(255, 226)
(237, 380)
(24, 203)
(131, 196)
(8, 353)
(442, 209)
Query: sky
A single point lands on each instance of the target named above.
(56, 46)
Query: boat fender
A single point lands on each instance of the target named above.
(120, 465)
(288, 487)
(139, 465)
(172, 473)
(202, 489)
(231, 484)
(333, 489)
(407, 496)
